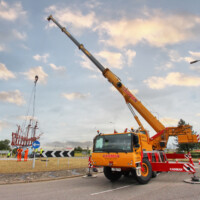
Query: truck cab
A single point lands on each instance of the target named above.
(119, 153)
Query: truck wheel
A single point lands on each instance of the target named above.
(133, 173)
(154, 174)
(146, 174)
(111, 175)
(126, 173)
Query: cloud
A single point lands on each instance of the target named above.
(3, 125)
(169, 121)
(42, 58)
(113, 59)
(157, 30)
(14, 97)
(198, 114)
(67, 16)
(129, 78)
(2, 48)
(86, 63)
(25, 47)
(134, 91)
(57, 68)
(195, 54)
(112, 88)
(73, 96)
(173, 79)
(11, 12)
(130, 54)
(27, 118)
(92, 4)
(165, 66)
(18, 35)
(175, 56)
(93, 76)
(37, 71)
(195, 67)
(5, 73)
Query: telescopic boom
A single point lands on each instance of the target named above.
(129, 97)
(80, 46)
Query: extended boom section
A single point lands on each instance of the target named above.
(112, 78)
(80, 46)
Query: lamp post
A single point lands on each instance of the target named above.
(194, 61)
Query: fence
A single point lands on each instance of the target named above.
(3, 153)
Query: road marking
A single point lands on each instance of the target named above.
(109, 190)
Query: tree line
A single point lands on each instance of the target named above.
(5, 144)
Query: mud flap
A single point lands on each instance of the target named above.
(138, 171)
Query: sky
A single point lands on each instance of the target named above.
(147, 43)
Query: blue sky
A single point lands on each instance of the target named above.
(147, 43)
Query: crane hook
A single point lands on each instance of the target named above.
(36, 79)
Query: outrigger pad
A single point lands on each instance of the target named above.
(193, 180)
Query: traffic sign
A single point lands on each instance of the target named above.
(47, 154)
(36, 144)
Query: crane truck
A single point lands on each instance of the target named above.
(135, 152)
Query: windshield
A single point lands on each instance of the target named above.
(113, 143)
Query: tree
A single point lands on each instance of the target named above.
(14, 151)
(185, 147)
(4, 145)
(78, 149)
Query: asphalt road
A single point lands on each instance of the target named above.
(166, 186)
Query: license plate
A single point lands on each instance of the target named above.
(116, 169)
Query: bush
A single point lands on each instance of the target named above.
(195, 154)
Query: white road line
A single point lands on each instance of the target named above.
(110, 190)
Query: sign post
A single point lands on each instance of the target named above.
(35, 145)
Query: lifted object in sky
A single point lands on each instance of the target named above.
(26, 135)
(134, 152)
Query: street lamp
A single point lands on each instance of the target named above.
(192, 62)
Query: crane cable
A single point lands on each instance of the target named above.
(131, 109)
(32, 96)
(36, 79)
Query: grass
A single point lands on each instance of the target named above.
(53, 164)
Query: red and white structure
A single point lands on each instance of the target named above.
(26, 135)
(20, 138)
(159, 162)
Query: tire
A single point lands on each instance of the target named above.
(146, 174)
(126, 173)
(154, 174)
(133, 173)
(111, 175)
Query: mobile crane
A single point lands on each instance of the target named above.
(135, 151)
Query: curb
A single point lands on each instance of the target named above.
(41, 180)
(81, 174)
(37, 176)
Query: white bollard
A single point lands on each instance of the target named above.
(58, 162)
(33, 161)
